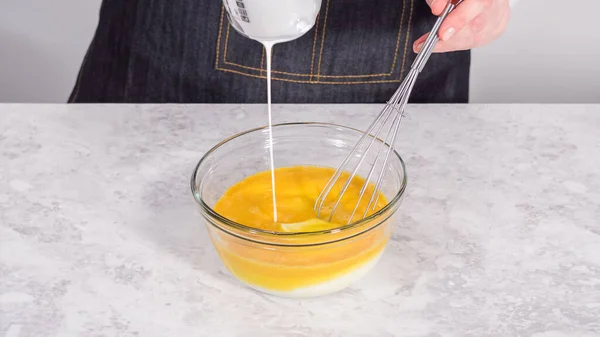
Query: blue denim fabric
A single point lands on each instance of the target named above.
(185, 51)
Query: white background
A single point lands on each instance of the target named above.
(550, 53)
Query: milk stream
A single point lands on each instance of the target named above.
(268, 47)
(270, 22)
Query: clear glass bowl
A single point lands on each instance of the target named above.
(294, 264)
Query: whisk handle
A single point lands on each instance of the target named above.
(433, 37)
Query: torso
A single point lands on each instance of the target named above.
(185, 51)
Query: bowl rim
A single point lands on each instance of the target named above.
(251, 230)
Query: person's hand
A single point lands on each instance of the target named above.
(473, 23)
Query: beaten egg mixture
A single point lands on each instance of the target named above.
(288, 269)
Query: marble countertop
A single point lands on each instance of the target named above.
(499, 234)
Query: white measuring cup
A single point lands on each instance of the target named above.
(272, 20)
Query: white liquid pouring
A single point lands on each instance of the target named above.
(268, 48)
(270, 22)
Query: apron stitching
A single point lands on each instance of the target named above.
(312, 61)
(305, 81)
(261, 69)
(226, 42)
(323, 39)
(262, 61)
(304, 75)
(219, 37)
(398, 38)
(412, 6)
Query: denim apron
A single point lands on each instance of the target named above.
(185, 51)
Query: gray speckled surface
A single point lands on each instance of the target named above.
(99, 235)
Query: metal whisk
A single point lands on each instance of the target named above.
(394, 107)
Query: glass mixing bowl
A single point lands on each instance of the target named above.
(294, 264)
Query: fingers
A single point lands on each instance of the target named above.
(480, 31)
(437, 6)
(419, 43)
(462, 41)
(472, 24)
(461, 16)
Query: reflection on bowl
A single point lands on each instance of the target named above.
(293, 264)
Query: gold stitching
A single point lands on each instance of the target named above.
(312, 60)
(304, 81)
(219, 37)
(261, 70)
(262, 60)
(323, 39)
(303, 75)
(412, 6)
(311, 74)
(226, 42)
(320, 56)
(398, 38)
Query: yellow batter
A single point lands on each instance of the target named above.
(249, 202)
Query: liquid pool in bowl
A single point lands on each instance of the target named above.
(299, 255)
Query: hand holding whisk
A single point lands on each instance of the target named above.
(394, 108)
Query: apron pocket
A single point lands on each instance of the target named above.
(352, 42)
